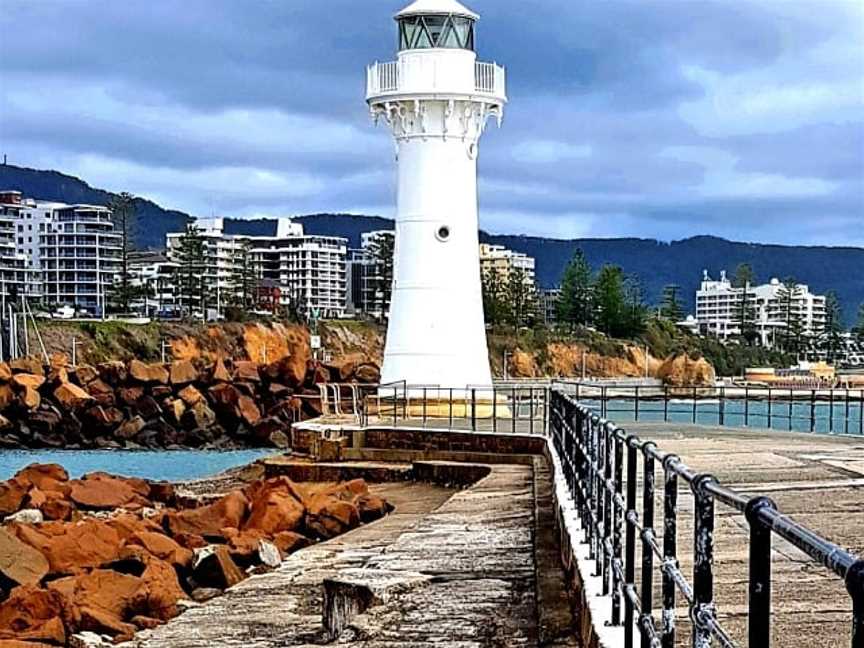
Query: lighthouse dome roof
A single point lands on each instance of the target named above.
(437, 7)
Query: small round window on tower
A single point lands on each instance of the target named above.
(443, 233)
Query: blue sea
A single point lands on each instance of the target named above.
(167, 465)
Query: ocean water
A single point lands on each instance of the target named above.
(167, 465)
(782, 414)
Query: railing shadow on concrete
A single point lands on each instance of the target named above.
(603, 487)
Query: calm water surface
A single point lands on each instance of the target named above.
(174, 465)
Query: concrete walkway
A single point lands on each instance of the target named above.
(818, 480)
(467, 562)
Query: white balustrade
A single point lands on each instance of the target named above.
(395, 77)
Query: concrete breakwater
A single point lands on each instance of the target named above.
(221, 404)
(81, 559)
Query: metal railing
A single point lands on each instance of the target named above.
(397, 76)
(511, 408)
(604, 488)
(833, 411)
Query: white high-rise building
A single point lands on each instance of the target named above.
(293, 268)
(437, 99)
(718, 304)
(504, 262)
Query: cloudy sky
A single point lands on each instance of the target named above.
(661, 119)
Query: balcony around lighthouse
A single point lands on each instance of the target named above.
(415, 77)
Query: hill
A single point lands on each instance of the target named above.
(656, 263)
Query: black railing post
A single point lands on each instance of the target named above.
(666, 403)
(607, 508)
(855, 587)
(759, 615)
(831, 411)
(694, 405)
(670, 549)
(812, 410)
(604, 407)
(647, 576)
(703, 561)
(531, 411)
(746, 406)
(473, 410)
(515, 411)
(630, 541)
(846, 415)
(617, 530)
(451, 408)
(770, 415)
(494, 409)
(395, 411)
(721, 408)
(424, 407)
(791, 408)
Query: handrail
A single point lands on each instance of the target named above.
(392, 77)
(591, 450)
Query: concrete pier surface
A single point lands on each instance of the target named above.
(818, 480)
(455, 568)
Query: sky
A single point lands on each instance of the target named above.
(656, 119)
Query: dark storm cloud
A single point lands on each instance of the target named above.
(664, 118)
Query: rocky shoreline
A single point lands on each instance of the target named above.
(96, 559)
(224, 404)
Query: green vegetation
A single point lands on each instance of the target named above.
(576, 305)
(512, 302)
(122, 293)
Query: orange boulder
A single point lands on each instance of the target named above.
(34, 614)
(204, 521)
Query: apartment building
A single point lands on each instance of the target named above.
(368, 276)
(505, 261)
(718, 301)
(306, 271)
(154, 275)
(13, 273)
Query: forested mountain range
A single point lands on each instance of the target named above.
(656, 263)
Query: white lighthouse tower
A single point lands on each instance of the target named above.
(437, 99)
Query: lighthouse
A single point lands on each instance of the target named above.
(437, 99)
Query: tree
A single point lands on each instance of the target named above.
(832, 336)
(670, 306)
(520, 299)
(575, 306)
(611, 301)
(190, 287)
(381, 249)
(744, 276)
(635, 313)
(244, 277)
(494, 298)
(792, 334)
(122, 292)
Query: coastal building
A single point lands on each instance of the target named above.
(436, 99)
(289, 267)
(13, 272)
(505, 262)
(370, 275)
(718, 304)
(154, 275)
(549, 298)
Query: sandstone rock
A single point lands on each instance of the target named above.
(5, 372)
(683, 371)
(148, 373)
(368, 374)
(162, 590)
(147, 407)
(275, 509)
(104, 417)
(198, 416)
(190, 395)
(289, 541)
(105, 599)
(57, 507)
(162, 547)
(29, 515)
(12, 496)
(85, 374)
(183, 372)
(320, 374)
(130, 429)
(207, 521)
(29, 365)
(20, 563)
(114, 372)
(329, 517)
(57, 376)
(105, 493)
(7, 395)
(130, 395)
(72, 548)
(220, 372)
(29, 398)
(174, 409)
(246, 371)
(371, 507)
(43, 476)
(164, 493)
(72, 397)
(190, 540)
(204, 594)
(214, 567)
(248, 410)
(147, 623)
(34, 614)
(343, 367)
(224, 397)
(102, 392)
(23, 381)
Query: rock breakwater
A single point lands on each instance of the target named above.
(106, 556)
(221, 404)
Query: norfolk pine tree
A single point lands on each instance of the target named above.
(576, 304)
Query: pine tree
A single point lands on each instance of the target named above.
(576, 304)
(381, 250)
(832, 336)
(244, 277)
(190, 287)
(635, 313)
(520, 299)
(611, 301)
(122, 292)
(745, 310)
(670, 307)
(493, 297)
(792, 335)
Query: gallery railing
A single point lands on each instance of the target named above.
(604, 487)
(835, 411)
